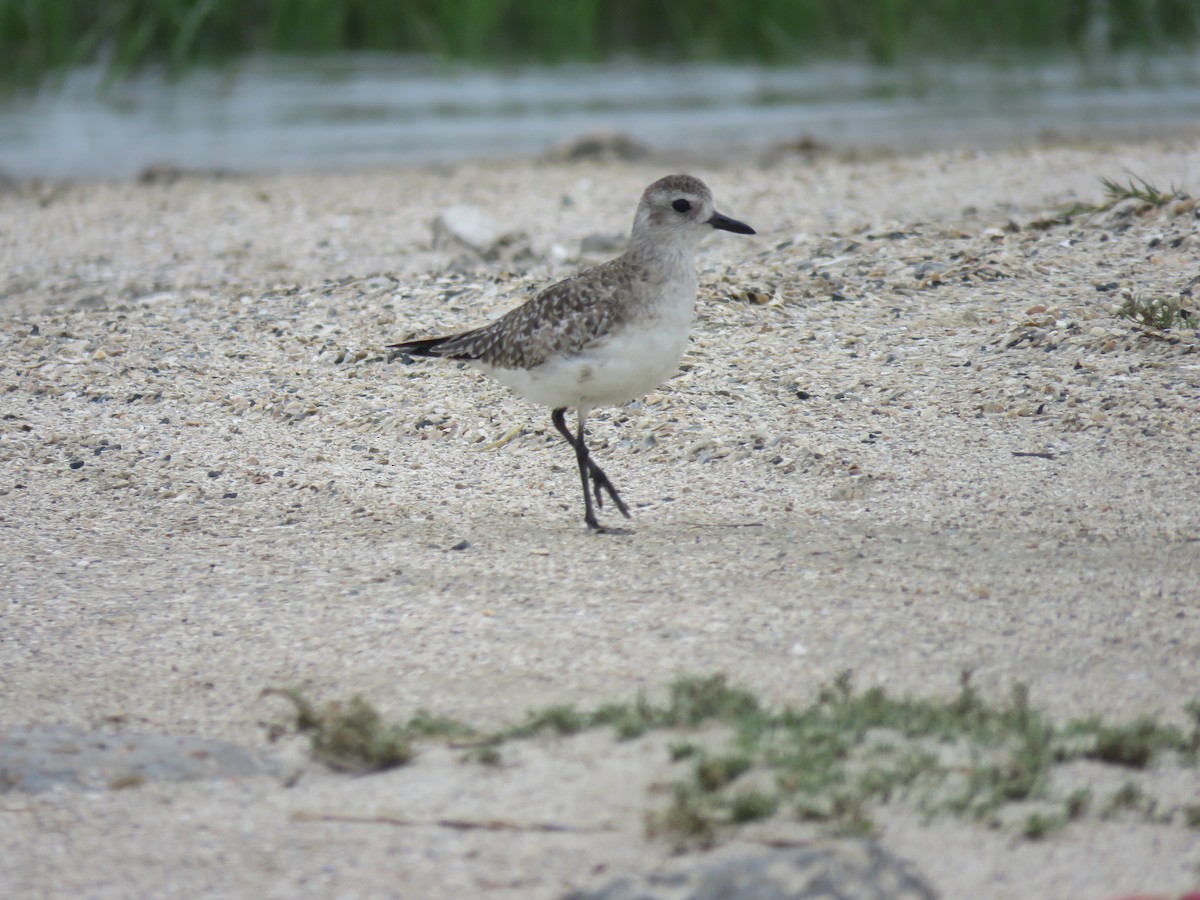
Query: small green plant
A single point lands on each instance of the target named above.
(563, 720)
(486, 754)
(684, 750)
(686, 822)
(425, 724)
(715, 772)
(850, 816)
(692, 702)
(750, 806)
(1077, 803)
(1191, 816)
(1138, 188)
(628, 720)
(1135, 744)
(1157, 313)
(350, 736)
(1193, 740)
(1039, 825)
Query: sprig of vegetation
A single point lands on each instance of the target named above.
(1149, 195)
(691, 702)
(352, 736)
(37, 37)
(1138, 188)
(1157, 313)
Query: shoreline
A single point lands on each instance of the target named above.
(605, 146)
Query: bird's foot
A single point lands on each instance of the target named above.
(600, 483)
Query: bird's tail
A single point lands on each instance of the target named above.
(447, 347)
(422, 347)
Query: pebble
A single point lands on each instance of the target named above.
(859, 869)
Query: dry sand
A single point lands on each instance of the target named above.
(213, 481)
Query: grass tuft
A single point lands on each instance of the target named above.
(1157, 313)
(1138, 188)
(751, 806)
(350, 736)
(1149, 197)
(715, 772)
(1077, 803)
(562, 720)
(1039, 825)
(1136, 744)
(686, 822)
(427, 725)
(1191, 816)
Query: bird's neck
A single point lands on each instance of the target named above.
(663, 259)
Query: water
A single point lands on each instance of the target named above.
(355, 110)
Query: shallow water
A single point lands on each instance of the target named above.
(285, 113)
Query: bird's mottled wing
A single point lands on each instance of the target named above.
(561, 320)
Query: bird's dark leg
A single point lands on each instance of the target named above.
(599, 479)
(588, 471)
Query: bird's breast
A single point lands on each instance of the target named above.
(630, 360)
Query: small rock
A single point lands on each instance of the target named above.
(805, 146)
(160, 173)
(601, 145)
(851, 870)
(470, 228)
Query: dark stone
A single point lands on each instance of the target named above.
(850, 870)
(39, 758)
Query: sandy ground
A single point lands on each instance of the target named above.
(215, 481)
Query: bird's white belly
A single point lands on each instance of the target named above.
(629, 363)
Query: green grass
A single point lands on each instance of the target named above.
(37, 36)
(1138, 188)
(1146, 197)
(833, 763)
(352, 736)
(1157, 313)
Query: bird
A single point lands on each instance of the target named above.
(606, 335)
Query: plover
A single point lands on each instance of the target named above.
(607, 335)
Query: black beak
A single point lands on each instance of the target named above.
(727, 224)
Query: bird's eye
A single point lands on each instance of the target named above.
(681, 205)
